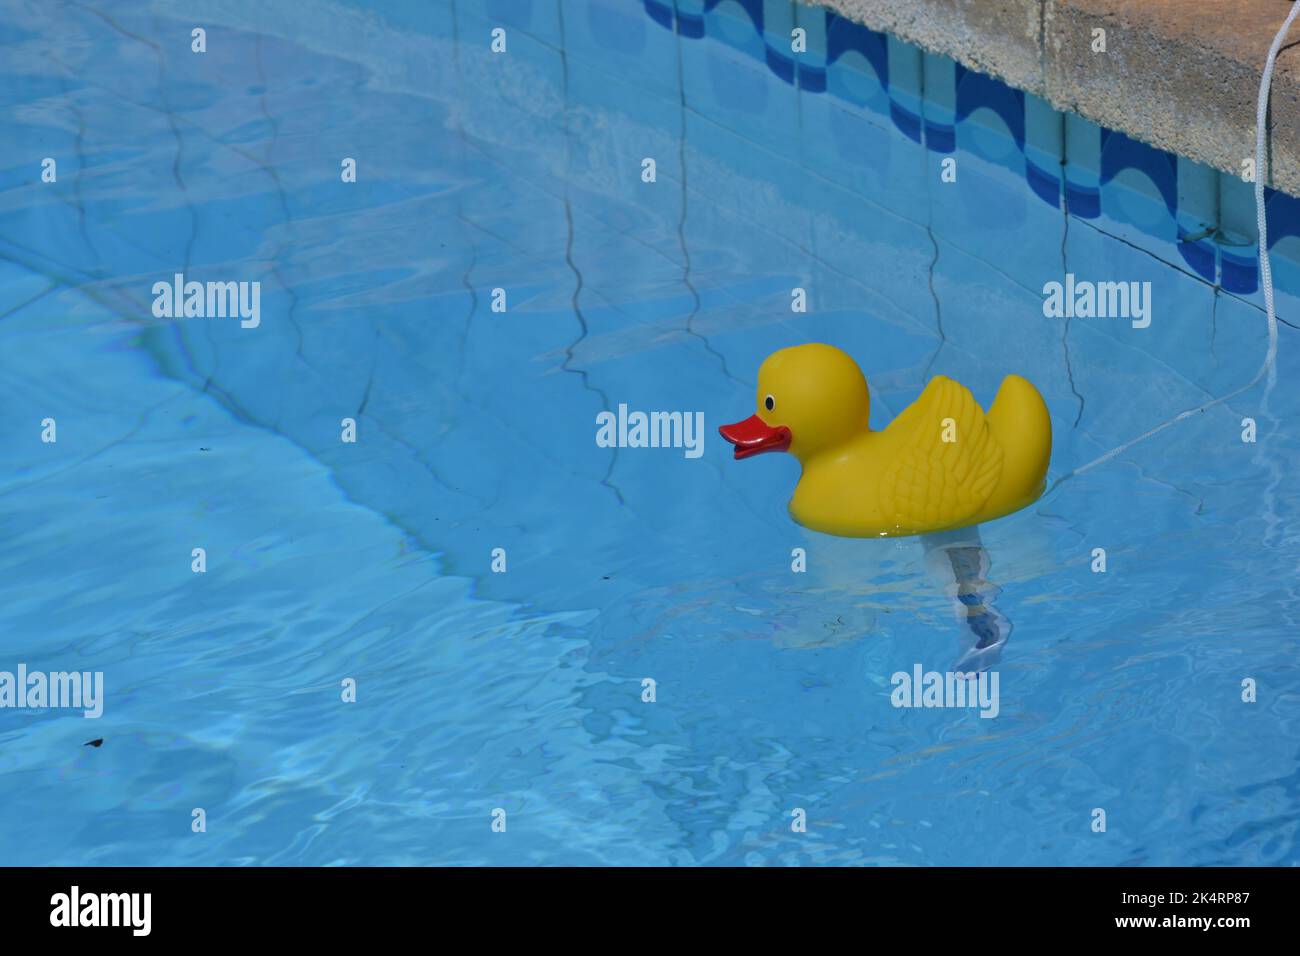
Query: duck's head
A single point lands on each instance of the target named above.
(810, 398)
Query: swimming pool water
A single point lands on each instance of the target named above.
(522, 691)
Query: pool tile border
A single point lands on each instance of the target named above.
(1067, 161)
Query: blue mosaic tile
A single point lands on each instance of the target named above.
(1044, 149)
(1082, 167)
(975, 91)
(857, 64)
(940, 107)
(664, 15)
(906, 88)
(1197, 215)
(778, 25)
(1238, 236)
(812, 62)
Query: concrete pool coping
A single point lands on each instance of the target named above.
(1181, 75)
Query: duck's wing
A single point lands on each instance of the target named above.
(948, 461)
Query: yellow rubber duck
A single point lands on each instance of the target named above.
(941, 464)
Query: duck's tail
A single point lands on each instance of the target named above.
(1022, 426)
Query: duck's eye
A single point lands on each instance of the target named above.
(769, 403)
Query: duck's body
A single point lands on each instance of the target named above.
(942, 463)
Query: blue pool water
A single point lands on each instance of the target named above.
(522, 691)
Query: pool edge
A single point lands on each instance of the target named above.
(1183, 79)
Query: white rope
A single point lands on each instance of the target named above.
(1269, 367)
(1261, 179)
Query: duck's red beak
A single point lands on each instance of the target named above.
(754, 436)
